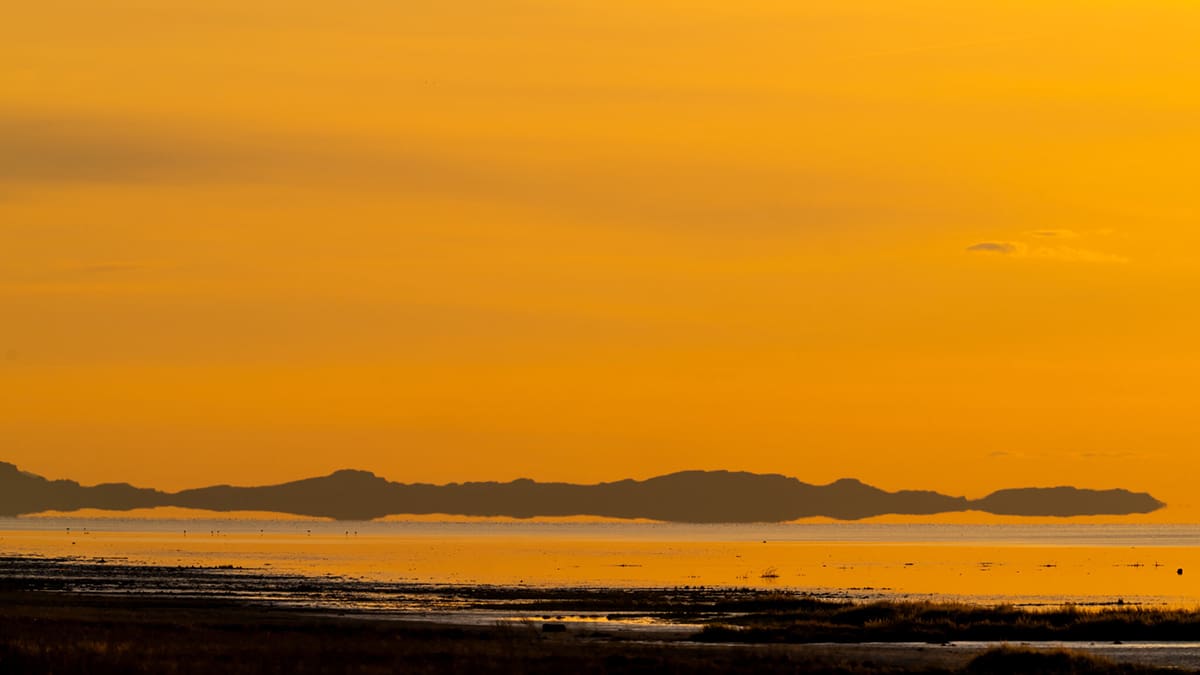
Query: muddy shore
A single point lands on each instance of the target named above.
(73, 615)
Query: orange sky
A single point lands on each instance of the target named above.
(945, 245)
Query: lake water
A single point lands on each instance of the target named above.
(1020, 564)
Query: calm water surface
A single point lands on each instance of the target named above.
(1024, 564)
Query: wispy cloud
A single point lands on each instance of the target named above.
(104, 267)
(1042, 249)
(1054, 234)
(1000, 247)
(1095, 454)
(1078, 255)
(53, 149)
(702, 194)
(79, 275)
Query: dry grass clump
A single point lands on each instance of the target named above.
(1008, 660)
(64, 634)
(820, 621)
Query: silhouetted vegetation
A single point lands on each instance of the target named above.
(808, 620)
(63, 633)
(1008, 660)
(47, 633)
(77, 616)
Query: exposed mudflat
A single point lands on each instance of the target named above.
(674, 616)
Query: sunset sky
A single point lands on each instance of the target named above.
(944, 244)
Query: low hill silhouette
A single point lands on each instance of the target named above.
(686, 497)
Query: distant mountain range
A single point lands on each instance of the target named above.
(686, 497)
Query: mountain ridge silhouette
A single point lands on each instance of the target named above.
(685, 496)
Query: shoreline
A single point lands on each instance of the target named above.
(680, 623)
(68, 632)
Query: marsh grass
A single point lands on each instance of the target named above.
(1008, 660)
(42, 633)
(808, 620)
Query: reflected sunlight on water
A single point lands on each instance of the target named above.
(984, 563)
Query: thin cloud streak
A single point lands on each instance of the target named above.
(106, 267)
(1019, 249)
(999, 247)
(1054, 234)
(702, 194)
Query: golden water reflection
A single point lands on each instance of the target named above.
(1006, 572)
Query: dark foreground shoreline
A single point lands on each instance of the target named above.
(73, 616)
(55, 632)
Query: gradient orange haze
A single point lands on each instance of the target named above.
(943, 245)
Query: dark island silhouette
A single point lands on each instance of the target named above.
(686, 497)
